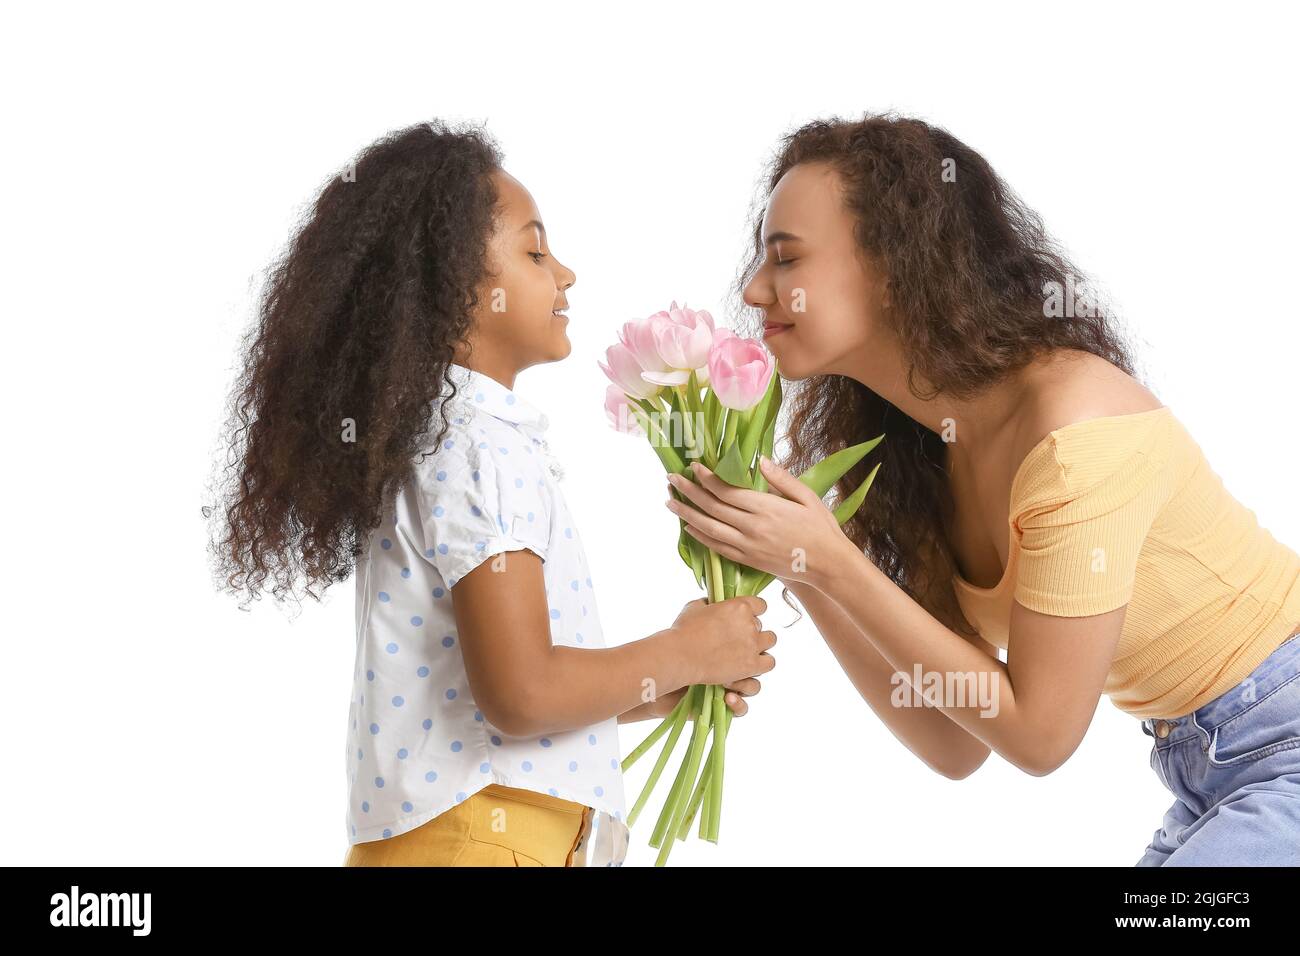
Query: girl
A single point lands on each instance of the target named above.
(382, 426)
(1030, 487)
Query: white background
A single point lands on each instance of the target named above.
(157, 158)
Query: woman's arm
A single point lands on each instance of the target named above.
(526, 685)
(1033, 710)
(1042, 699)
(929, 733)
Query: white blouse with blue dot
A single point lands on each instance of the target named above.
(417, 744)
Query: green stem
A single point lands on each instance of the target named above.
(649, 742)
(702, 416)
(704, 815)
(712, 718)
(730, 429)
(679, 721)
(717, 754)
(715, 580)
(681, 796)
(688, 429)
(720, 723)
(701, 789)
(680, 782)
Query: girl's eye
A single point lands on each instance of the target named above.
(784, 262)
(537, 256)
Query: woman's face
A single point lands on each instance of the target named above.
(820, 299)
(518, 315)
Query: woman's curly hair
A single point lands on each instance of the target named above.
(357, 324)
(968, 268)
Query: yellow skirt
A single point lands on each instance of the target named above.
(497, 826)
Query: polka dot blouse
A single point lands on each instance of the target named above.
(417, 744)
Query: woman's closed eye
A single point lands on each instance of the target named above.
(537, 256)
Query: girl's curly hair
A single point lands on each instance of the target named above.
(356, 327)
(968, 267)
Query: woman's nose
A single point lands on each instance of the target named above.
(757, 292)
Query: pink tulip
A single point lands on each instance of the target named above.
(624, 370)
(740, 371)
(639, 339)
(619, 410)
(682, 338)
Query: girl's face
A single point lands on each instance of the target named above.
(820, 299)
(518, 321)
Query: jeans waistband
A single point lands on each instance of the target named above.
(1272, 673)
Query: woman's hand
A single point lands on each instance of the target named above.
(787, 532)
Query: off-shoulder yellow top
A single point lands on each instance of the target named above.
(1125, 509)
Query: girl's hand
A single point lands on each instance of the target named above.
(787, 532)
(735, 698)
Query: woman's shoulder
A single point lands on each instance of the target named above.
(1085, 419)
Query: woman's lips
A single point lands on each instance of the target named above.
(774, 328)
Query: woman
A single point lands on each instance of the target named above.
(1030, 487)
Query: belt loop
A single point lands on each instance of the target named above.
(584, 828)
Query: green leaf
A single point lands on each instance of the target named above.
(705, 438)
(671, 461)
(731, 469)
(669, 456)
(823, 475)
(759, 416)
(850, 505)
(769, 439)
(765, 449)
(676, 433)
(734, 419)
(699, 556)
(683, 549)
(713, 412)
(691, 550)
(753, 582)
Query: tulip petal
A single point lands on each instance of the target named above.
(669, 378)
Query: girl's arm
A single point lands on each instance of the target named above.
(525, 685)
(931, 734)
(663, 705)
(640, 712)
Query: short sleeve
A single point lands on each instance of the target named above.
(480, 495)
(1079, 547)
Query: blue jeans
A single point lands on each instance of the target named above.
(1234, 766)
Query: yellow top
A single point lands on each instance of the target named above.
(1126, 510)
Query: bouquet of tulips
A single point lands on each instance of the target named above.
(696, 391)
